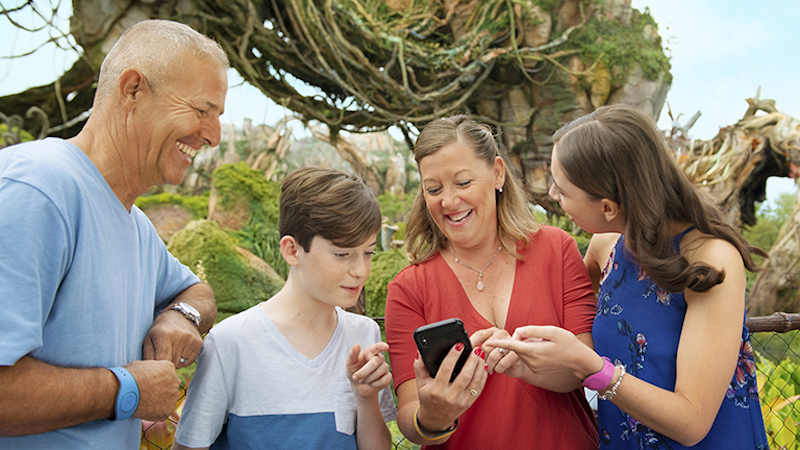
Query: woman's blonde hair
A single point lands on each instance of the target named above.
(514, 216)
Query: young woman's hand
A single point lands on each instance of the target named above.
(498, 359)
(545, 349)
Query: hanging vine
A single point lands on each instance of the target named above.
(381, 63)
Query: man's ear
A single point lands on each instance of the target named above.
(132, 84)
(610, 209)
(290, 250)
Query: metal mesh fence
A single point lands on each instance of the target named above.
(776, 344)
(160, 435)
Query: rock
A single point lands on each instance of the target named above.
(204, 246)
(646, 95)
(537, 27)
(168, 219)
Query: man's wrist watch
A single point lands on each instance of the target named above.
(188, 311)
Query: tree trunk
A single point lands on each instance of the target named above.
(776, 288)
(77, 83)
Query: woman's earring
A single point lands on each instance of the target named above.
(499, 189)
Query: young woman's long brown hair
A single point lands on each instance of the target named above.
(618, 153)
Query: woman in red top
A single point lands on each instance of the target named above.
(478, 255)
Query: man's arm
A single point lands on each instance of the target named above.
(173, 337)
(36, 397)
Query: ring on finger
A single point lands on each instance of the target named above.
(183, 360)
(503, 352)
(472, 391)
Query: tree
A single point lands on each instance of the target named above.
(526, 67)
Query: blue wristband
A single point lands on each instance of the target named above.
(128, 395)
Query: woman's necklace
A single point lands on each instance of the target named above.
(480, 272)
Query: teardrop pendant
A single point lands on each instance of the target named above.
(480, 285)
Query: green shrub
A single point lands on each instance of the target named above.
(779, 386)
(385, 266)
(238, 181)
(197, 205)
(395, 207)
(23, 135)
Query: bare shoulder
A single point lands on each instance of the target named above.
(597, 255)
(701, 248)
(600, 248)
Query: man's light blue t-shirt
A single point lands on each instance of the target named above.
(81, 278)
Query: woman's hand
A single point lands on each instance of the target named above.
(545, 349)
(442, 402)
(498, 359)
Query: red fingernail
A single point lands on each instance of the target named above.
(483, 355)
(478, 352)
(459, 347)
(486, 367)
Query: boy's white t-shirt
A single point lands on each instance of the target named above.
(252, 389)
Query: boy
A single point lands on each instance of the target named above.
(297, 371)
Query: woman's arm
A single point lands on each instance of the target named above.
(512, 365)
(707, 354)
(597, 254)
(428, 408)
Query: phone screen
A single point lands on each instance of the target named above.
(436, 339)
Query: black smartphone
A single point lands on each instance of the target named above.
(436, 339)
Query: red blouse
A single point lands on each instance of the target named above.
(551, 287)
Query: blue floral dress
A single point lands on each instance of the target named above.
(639, 325)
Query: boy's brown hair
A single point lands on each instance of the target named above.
(331, 203)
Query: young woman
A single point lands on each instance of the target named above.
(677, 367)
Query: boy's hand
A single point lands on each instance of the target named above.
(367, 369)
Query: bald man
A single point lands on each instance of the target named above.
(96, 314)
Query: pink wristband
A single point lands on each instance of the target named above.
(602, 378)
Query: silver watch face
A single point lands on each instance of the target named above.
(189, 311)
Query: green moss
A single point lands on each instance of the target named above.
(385, 266)
(547, 5)
(234, 182)
(622, 46)
(237, 286)
(237, 183)
(197, 205)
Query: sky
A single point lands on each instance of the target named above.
(721, 52)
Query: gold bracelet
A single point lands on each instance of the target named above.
(433, 437)
(613, 392)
